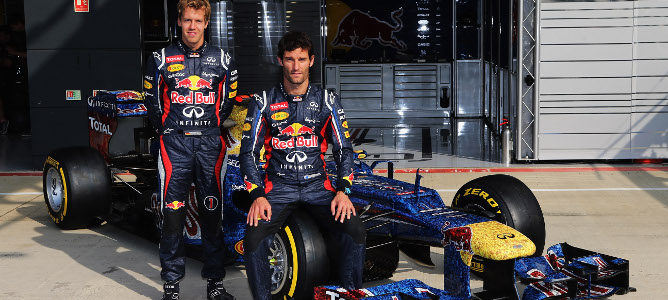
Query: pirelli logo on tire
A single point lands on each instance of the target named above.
(52, 162)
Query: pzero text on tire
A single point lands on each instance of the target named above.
(510, 201)
(77, 186)
(298, 260)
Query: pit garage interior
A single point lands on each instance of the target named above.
(581, 87)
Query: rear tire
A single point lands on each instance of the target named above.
(77, 187)
(510, 201)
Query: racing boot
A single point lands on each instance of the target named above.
(171, 291)
(216, 291)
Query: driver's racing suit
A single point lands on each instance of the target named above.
(189, 95)
(294, 130)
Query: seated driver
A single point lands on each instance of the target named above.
(294, 121)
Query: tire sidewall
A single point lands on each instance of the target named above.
(58, 216)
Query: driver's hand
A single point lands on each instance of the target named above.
(260, 209)
(341, 207)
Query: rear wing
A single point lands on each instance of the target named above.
(104, 108)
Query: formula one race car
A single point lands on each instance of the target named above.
(493, 222)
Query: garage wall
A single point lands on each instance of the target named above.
(603, 80)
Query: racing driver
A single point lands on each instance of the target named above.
(189, 89)
(294, 122)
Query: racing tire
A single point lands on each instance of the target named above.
(381, 259)
(76, 183)
(510, 202)
(298, 259)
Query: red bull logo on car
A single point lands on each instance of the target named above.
(193, 83)
(296, 129)
(175, 205)
(459, 237)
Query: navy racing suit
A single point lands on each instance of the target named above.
(189, 94)
(294, 131)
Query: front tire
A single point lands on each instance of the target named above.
(509, 201)
(77, 186)
(298, 259)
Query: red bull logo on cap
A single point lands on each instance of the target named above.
(296, 129)
(175, 205)
(194, 83)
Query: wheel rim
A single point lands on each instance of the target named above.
(54, 189)
(278, 264)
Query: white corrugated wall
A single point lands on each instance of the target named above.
(603, 80)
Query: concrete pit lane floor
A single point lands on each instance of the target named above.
(620, 211)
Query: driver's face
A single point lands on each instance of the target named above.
(193, 23)
(296, 64)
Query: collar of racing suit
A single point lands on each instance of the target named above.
(289, 97)
(185, 49)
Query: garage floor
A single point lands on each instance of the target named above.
(619, 210)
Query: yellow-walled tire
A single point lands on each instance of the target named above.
(510, 201)
(77, 186)
(298, 259)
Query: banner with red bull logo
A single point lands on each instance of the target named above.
(379, 31)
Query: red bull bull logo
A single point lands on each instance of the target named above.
(193, 83)
(250, 186)
(193, 98)
(175, 205)
(296, 129)
(459, 237)
(359, 29)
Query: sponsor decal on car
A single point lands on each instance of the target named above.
(247, 127)
(132, 109)
(175, 67)
(234, 85)
(279, 116)
(174, 58)
(249, 185)
(99, 126)
(344, 124)
(280, 105)
(347, 134)
(147, 85)
(232, 94)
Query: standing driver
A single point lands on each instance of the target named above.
(294, 122)
(189, 89)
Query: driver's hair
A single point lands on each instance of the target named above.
(194, 4)
(292, 40)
